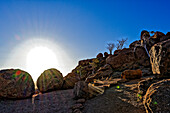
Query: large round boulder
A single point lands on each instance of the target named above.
(50, 80)
(16, 84)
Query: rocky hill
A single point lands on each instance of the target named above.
(134, 79)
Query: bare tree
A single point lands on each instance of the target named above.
(110, 47)
(121, 43)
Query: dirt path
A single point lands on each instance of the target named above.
(53, 102)
(117, 99)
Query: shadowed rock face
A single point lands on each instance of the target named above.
(160, 58)
(16, 84)
(70, 80)
(129, 59)
(157, 98)
(49, 80)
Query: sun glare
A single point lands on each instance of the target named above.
(40, 59)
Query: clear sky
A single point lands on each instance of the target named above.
(80, 28)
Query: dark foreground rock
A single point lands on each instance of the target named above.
(157, 98)
(16, 84)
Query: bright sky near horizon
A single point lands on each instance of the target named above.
(73, 29)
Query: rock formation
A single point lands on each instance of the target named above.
(16, 84)
(50, 79)
(160, 58)
(157, 98)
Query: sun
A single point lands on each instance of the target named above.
(39, 59)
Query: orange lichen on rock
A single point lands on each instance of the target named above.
(131, 74)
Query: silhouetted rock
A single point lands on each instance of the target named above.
(100, 55)
(106, 54)
(16, 84)
(134, 44)
(49, 80)
(160, 58)
(129, 59)
(131, 74)
(157, 98)
(156, 38)
(168, 34)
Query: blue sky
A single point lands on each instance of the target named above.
(81, 27)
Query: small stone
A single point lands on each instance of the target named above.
(77, 106)
(77, 111)
(81, 100)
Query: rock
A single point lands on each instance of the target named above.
(155, 38)
(16, 84)
(131, 74)
(70, 80)
(134, 44)
(157, 98)
(160, 58)
(77, 106)
(124, 57)
(84, 69)
(106, 54)
(158, 35)
(100, 55)
(129, 59)
(81, 90)
(77, 111)
(81, 100)
(49, 80)
(164, 38)
(116, 74)
(143, 85)
(105, 71)
(168, 34)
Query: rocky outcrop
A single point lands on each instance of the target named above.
(106, 54)
(160, 58)
(157, 98)
(49, 80)
(129, 59)
(131, 74)
(134, 44)
(16, 84)
(105, 71)
(84, 69)
(100, 55)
